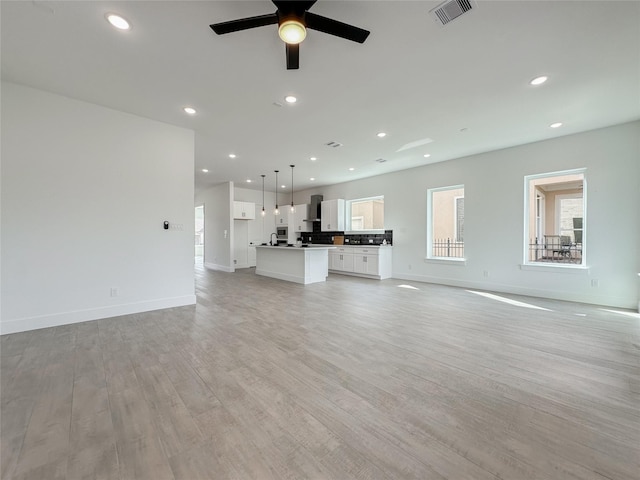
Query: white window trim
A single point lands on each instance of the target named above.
(456, 234)
(430, 258)
(540, 220)
(447, 261)
(541, 266)
(556, 268)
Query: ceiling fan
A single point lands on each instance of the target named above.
(293, 19)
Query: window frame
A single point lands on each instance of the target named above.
(348, 227)
(430, 217)
(456, 223)
(526, 240)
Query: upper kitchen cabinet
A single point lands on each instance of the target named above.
(244, 211)
(300, 216)
(282, 218)
(332, 215)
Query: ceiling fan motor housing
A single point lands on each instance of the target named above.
(294, 15)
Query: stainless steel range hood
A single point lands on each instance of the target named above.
(315, 212)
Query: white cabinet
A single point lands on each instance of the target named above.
(341, 259)
(373, 262)
(244, 211)
(282, 218)
(299, 217)
(365, 262)
(332, 215)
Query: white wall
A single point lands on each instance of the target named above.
(494, 223)
(85, 192)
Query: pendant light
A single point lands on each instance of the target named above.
(276, 211)
(263, 213)
(293, 209)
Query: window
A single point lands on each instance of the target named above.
(366, 214)
(445, 230)
(555, 218)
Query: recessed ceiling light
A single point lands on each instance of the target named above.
(382, 135)
(312, 179)
(118, 21)
(426, 155)
(556, 125)
(351, 169)
(189, 110)
(205, 170)
(248, 180)
(232, 155)
(290, 99)
(539, 80)
(313, 159)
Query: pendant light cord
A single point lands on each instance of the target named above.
(276, 210)
(263, 212)
(292, 207)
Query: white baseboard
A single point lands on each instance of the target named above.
(222, 268)
(77, 316)
(594, 299)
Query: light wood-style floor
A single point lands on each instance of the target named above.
(352, 379)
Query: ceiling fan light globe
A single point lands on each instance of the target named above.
(292, 32)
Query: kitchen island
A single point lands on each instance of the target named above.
(294, 264)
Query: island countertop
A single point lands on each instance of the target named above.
(294, 247)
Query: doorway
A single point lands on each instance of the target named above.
(199, 235)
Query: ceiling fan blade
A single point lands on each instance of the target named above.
(334, 27)
(244, 23)
(293, 56)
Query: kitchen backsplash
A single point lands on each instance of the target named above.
(321, 237)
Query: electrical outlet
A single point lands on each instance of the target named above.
(595, 282)
(114, 291)
(486, 273)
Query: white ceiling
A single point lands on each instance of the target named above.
(464, 85)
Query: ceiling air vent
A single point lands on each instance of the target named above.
(333, 144)
(450, 10)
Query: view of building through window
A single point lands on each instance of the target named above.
(446, 222)
(366, 213)
(556, 218)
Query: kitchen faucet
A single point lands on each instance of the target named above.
(271, 239)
